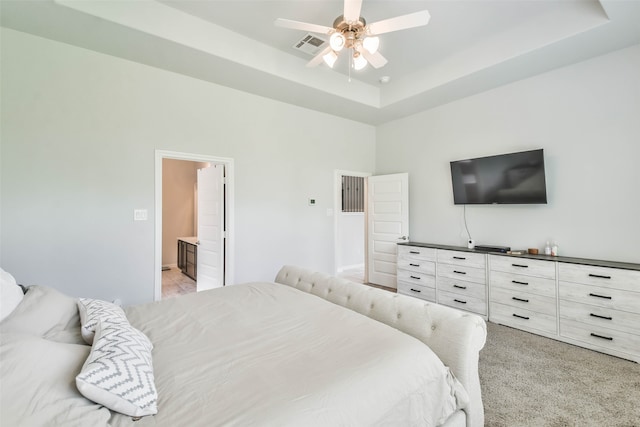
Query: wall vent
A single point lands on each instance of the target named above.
(311, 44)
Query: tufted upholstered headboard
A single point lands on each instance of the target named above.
(456, 337)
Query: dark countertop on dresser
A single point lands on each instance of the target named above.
(570, 260)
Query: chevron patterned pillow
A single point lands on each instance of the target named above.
(93, 310)
(119, 371)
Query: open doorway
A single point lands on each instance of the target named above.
(179, 226)
(370, 240)
(350, 225)
(184, 264)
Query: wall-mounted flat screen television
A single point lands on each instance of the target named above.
(514, 178)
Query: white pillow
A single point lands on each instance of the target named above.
(119, 371)
(93, 310)
(10, 294)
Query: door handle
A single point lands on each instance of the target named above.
(403, 238)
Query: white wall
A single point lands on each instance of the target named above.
(79, 130)
(587, 119)
(350, 240)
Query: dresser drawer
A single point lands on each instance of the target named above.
(522, 318)
(600, 317)
(418, 291)
(416, 253)
(519, 299)
(517, 282)
(526, 266)
(476, 290)
(607, 339)
(417, 278)
(468, 303)
(600, 296)
(459, 272)
(470, 259)
(418, 266)
(600, 276)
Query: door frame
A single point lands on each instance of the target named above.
(337, 208)
(229, 213)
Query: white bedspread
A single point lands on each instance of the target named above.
(267, 354)
(259, 354)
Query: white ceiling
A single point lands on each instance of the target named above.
(467, 47)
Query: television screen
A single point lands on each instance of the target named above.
(515, 178)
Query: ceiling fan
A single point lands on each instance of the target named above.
(351, 31)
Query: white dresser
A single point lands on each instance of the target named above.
(523, 294)
(462, 280)
(416, 272)
(589, 303)
(600, 308)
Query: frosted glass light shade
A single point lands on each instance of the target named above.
(330, 58)
(337, 41)
(371, 44)
(359, 62)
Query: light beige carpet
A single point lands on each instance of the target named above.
(528, 380)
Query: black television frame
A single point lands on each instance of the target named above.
(521, 168)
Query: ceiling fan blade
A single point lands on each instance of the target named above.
(304, 26)
(375, 59)
(352, 10)
(316, 60)
(403, 22)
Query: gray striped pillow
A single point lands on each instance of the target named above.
(119, 371)
(93, 310)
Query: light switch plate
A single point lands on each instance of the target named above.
(140, 215)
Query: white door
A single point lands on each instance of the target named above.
(210, 261)
(387, 225)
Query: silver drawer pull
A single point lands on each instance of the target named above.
(519, 299)
(599, 276)
(520, 265)
(520, 317)
(459, 257)
(461, 302)
(414, 265)
(599, 296)
(459, 272)
(415, 277)
(601, 336)
(459, 287)
(600, 317)
(414, 252)
(416, 290)
(519, 283)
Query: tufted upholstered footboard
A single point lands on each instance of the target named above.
(456, 337)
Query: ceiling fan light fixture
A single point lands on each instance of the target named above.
(359, 62)
(371, 44)
(337, 41)
(330, 58)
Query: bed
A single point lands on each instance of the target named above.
(307, 349)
